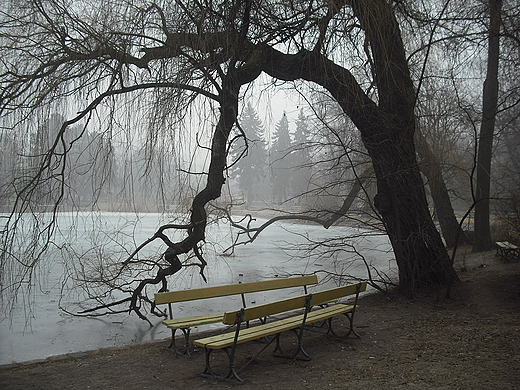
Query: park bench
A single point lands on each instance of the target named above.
(315, 309)
(507, 251)
(185, 324)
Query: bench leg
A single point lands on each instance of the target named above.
(508, 254)
(230, 375)
(299, 354)
(350, 316)
(173, 346)
(511, 255)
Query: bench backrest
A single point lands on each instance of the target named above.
(267, 309)
(233, 289)
(320, 297)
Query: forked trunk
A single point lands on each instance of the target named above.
(401, 200)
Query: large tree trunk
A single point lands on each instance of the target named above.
(482, 237)
(387, 130)
(401, 199)
(431, 168)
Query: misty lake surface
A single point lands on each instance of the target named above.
(38, 329)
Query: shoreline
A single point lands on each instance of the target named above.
(469, 341)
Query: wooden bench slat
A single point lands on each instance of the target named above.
(190, 322)
(246, 334)
(270, 328)
(289, 304)
(265, 310)
(336, 293)
(233, 289)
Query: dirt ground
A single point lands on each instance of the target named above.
(470, 341)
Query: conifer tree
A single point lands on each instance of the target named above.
(280, 161)
(250, 170)
(301, 157)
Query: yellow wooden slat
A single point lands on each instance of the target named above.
(230, 336)
(256, 334)
(268, 329)
(233, 289)
(267, 309)
(327, 312)
(194, 318)
(225, 340)
(320, 297)
(506, 245)
(190, 322)
(284, 305)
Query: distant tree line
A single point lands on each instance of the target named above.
(271, 169)
(98, 174)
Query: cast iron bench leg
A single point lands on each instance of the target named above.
(231, 374)
(173, 345)
(299, 354)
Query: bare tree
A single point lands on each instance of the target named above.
(482, 239)
(183, 53)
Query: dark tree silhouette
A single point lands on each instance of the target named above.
(482, 237)
(174, 57)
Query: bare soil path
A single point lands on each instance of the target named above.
(470, 341)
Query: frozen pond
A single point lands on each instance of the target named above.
(41, 329)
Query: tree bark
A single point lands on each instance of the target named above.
(482, 237)
(430, 167)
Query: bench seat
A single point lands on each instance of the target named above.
(191, 322)
(274, 327)
(507, 251)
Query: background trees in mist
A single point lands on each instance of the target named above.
(251, 169)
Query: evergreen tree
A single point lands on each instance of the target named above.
(251, 168)
(280, 161)
(301, 157)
